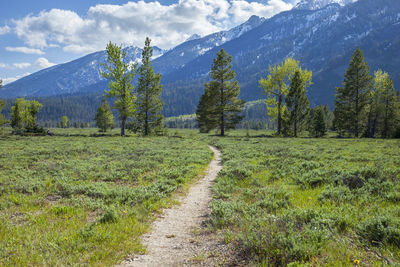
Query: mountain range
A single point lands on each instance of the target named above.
(321, 34)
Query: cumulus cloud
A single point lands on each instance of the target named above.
(166, 25)
(25, 50)
(43, 63)
(13, 79)
(3, 66)
(23, 65)
(4, 30)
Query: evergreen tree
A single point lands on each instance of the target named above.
(375, 106)
(297, 103)
(206, 116)
(16, 115)
(276, 87)
(2, 105)
(318, 125)
(352, 99)
(149, 105)
(219, 106)
(104, 117)
(64, 122)
(120, 74)
(388, 103)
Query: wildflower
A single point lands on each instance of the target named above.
(356, 262)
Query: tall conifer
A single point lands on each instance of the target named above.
(297, 103)
(149, 105)
(220, 106)
(352, 99)
(104, 117)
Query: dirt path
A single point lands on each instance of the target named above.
(170, 243)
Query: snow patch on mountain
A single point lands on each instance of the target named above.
(318, 4)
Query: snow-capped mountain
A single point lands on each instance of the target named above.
(193, 37)
(82, 75)
(318, 4)
(322, 39)
(72, 77)
(191, 49)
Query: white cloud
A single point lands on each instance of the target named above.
(166, 25)
(25, 50)
(3, 66)
(22, 65)
(4, 30)
(43, 63)
(13, 79)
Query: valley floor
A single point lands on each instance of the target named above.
(79, 198)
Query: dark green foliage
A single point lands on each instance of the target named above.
(149, 119)
(351, 100)
(381, 230)
(318, 123)
(390, 106)
(104, 117)
(206, 116)
(2, 105)
(120, 74)
(219, 105)
(297, 104)
(109, 216)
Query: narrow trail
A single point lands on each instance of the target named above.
(170, 241)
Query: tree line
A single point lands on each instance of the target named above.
(365, 106)
(139, 108)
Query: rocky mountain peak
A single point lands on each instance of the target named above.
(318, 4)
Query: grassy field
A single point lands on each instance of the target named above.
(80, 198)
(73, 199)
(329, 202)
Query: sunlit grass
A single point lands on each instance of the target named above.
(73, 199)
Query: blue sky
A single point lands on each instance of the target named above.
(38, 34)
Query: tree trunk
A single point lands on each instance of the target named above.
(279, 114)
(146, 124)
(123, 123)
(222, 126)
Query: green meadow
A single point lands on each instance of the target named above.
(73, 199)
(319, 202)
(83, 198)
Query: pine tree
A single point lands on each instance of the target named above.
(388, 104)
(104, 117)
(318, 125)
(16, 116)
(297, 103)
(2, 105)
(276, 87)
(149, 105)
(120, 74)
(219, 105)
(206, 117)
(375, 105)
(352, 99)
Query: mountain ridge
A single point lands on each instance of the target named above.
(322, 39)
